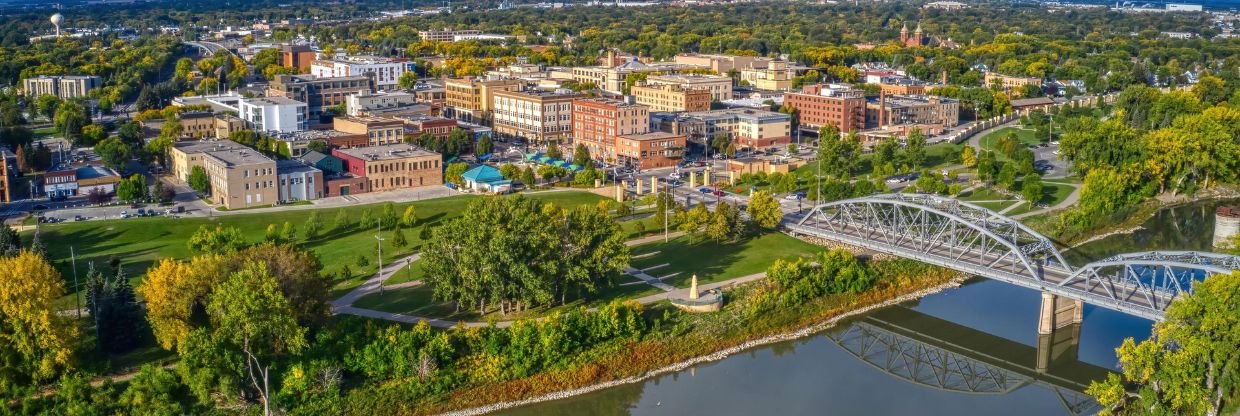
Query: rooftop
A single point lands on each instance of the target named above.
(292, 166)
(238, 157)
(203, 146)
(306, 135)
(607, 101)
(896, 101)
(387, 152)
(654, 135)
(745, 113)
(274, 100)
(560, 93)
(689, 78)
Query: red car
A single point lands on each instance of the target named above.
(718, 194)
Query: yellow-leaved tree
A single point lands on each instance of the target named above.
(38, 341)
(173, 289)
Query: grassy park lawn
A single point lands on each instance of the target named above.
(418, 301)
(713, 262)
(1025, 137)
(43, 132)
(937, 155)
(139, 242)
(983, 194)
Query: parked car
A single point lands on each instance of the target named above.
(141, 212)
(718, 194)
(79, 218)
(674, 175)
(124, 214)
(704, 190)
(895, 179)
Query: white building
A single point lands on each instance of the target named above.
(364, 101)
(298, 181)
(1181, 7)
(387, 71)
(273, 114)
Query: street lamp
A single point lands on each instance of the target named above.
(379, 238)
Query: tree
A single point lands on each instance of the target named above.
(199, 181)
(591, 248)
(724, 224)
(114, 153)
(1031, 188)
(153, 392)
(69, 120)
(720, 142)
(219, 240)
(1188, 366)
(410, 217)
(510, 171)
(317, 146)
(527, 177)
(398, 237)
(250, 315)
(147, 99)
(132, 188)
(340, 222)
(485, 146)
(454, 172)
(553, 151)
(10, 243)
(310, 229)
(915, 148)
(986, 166)
(581, 156)
(92, 134)
(764, 210)
(115, 309)
(692, 222)
(968, 156)
(130, 133)
(38, 342)
(46, 105)
(1007, 176)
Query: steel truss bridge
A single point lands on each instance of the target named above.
(972, 239)
(929, 352)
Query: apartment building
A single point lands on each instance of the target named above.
(538, 116)
(672, 98)
(241, 178)
(227, 124)
(720, 87)
(776, 76)
(445, 34)
(438, 127)
(821, 105)
(1009, 82)
(197, 124)
(472, 100)
(298, 181)
(386, 71)
(273, 114)
(319, 93)
(721, 64)
(612, 79)
(649, 150)
(64, 87)
(185, 155)
(297, 56)
(598, 121)
(393, 166)
(362, 102)
(890, 110)
(746, 128)
(379, 131)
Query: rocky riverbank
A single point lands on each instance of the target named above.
(718, 355)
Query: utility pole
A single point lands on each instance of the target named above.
(379, 238)
(666, 208)
(77, 290)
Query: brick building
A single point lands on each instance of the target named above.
(672, 98)
(297, 56)
(538, 116)
(649, 150)
(837, 105)
(241, 178)
(379, 131)
(472, 100)
(393, 166)
(319, 93)
(598, 121)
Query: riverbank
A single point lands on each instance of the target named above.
(695, 339)
(1128, 221)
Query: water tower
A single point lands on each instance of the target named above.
(57, 19)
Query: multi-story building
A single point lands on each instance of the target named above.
(445, 34)
(650, 150)
(379, 131)
(393, 166)
(273, 114)
(672, 98)
(60, 183)
(890, 110)
(721, 64)
(241, 178)
(360, 103)
(185, 155)
(776, 76)
(298, 181)
(598, 121)
(7, 169)
(63, 87)
(197, 124)
(319, 93)
(1009, 82)
(612, 79)
(720, 87)
(297, 56)
(298, 143)
(439, 127)
(538, 116)
(472, 100)
(898, 85)
(821, 105)
(227, 124)
(746, 128)
(386, 71)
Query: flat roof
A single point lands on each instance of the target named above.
(654, 135)
(273, 100)
(747, 113)
(387, 152)
(238, 157)
(292, 166)
(203, 146)
(306, 135)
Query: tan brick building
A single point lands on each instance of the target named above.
(1008, 82)
(297, 56)
(598, 121)
(672, 98)
(185, 155)
(820, 105)
(393, 166)
(720, 87)
(439, 127)
(380, 131)
(890, 110)
(650, 150)
(538, 116)
(197, 124)
(472, 100)
(241, 178)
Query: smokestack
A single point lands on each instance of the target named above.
(944, 80)
(882, 108)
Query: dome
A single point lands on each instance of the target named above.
(57, 19)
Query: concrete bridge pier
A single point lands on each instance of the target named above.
(1059, 329)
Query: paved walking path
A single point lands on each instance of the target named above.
(1067, 202)
(650, 280)
(373, 284)
(653, 238)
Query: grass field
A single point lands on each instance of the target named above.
(989, 141)
(937, 155)
(713, 262)
(139, 242)
(418, 301)
(43, 132)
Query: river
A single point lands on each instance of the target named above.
(971, 350)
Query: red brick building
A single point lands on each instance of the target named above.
(439, 127)
(821, 105)
(598, 121)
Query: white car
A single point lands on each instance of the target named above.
(1055, 143)
(674, 175)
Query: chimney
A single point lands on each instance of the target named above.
(944, 79)
(882, 108)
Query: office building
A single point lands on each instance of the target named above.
(298, 181)
(378, 131)
(183, 156)
(746, 128)
(598, 121)
(650, 150)
(445, 34)
(319, 93)
(538, 116)
(472, 100)
(393, 166)
(363, 102)
(297, 56)
(821, 105)
(673, 98)
(62, 87)
(241, 178)
(890, 110)
(776, 76)
(273, 114)
(386, 71)
(1009, 82)
(720, 87)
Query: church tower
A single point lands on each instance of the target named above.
(904, 34)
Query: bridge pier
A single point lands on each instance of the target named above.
(1059, 329)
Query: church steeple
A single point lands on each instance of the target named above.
(918, 31)
(904, 33)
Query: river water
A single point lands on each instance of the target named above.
(966, 351)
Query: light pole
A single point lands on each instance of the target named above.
(665, 210)
(77, 290)
(379, 238)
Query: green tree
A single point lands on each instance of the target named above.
(1188, 366)
(398, 237)
(724, 224)
(1031, 188)
(720, 142)
(581, 156)
(250, 315)
(1007, 176)
(527, 177)
(915, 148)
(553, 151)
(484, 146)
(341, 221)
(115, 154)
(986, 166)
(199, 181)
(592, 250)
(410, 217)
(92, 134)
(408, 80)
(216, 241)
(155, 392)
(46, 105)
(70, 118)
(692, 222)
(454, 172)
(510, 171)
(764, 210)
(310, 229)
(317, 146)
(968, 156)
(132, 188)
